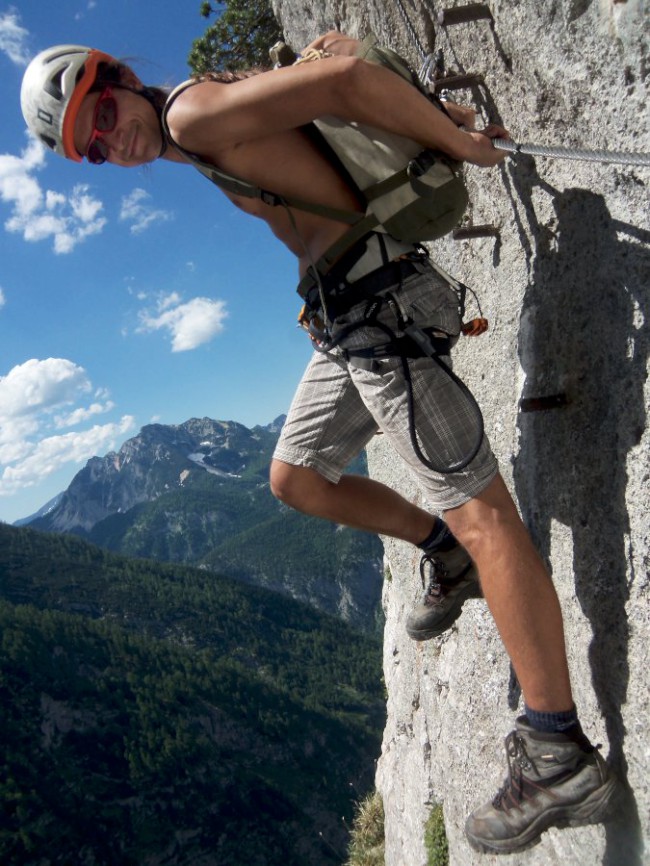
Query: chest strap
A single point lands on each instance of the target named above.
(234, 185)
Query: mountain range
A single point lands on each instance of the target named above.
(198, 493)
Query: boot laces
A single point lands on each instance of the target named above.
(518, 761)
(432, 573)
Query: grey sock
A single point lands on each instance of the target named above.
(552, 722)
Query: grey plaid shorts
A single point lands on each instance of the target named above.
(338, 407)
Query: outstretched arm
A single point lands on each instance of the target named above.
(342, 86)
(338, 43)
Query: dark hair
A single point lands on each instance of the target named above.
(111, 75)
(228, 76)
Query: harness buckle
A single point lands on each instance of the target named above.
(270, 198)
(314, 325)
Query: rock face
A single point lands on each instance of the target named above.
(564, 286)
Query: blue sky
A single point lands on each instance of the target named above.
(127, 296)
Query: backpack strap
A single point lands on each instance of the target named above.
(238, 186)
(373, 52)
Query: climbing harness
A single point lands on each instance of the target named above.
(331, 297)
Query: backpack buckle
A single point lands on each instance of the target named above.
(421, 163)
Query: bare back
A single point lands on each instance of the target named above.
(290, 163)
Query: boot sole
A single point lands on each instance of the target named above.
(597, 808)
(472, 590)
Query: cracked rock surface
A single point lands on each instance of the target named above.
(565, 288)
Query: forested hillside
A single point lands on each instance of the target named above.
(157, 713)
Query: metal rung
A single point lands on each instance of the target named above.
(456, 82)
(539, 404)
(485, 231)
(462, 14)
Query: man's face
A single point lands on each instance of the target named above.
(121, 128)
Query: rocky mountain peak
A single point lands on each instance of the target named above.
(157, 460)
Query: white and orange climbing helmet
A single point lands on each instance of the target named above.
(54, 86)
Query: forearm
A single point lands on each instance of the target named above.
(288, 98)
(380, 98)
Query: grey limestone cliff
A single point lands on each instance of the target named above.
(565, 287)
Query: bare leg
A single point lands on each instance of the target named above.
(516, 585)
(519, 593)
(355, 501)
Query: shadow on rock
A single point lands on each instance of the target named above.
(581, 337)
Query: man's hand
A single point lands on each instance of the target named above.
(462, 115)
(484, 153)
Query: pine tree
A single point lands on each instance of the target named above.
(239, 38)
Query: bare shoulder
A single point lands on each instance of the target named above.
(273, 101)
(193, 108)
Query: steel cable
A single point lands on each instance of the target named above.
(573, 153)
(414, 37)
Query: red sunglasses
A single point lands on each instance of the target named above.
(104, 120)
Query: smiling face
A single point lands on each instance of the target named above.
(136, 137)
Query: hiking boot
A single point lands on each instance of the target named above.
(554, 780)
(452, 579)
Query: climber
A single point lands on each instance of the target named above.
(83, 103)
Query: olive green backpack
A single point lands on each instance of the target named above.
(412, 194)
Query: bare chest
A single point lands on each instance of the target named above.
(290, 164)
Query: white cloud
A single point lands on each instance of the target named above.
(89, 8)
(13, 38)
(83, 414)
(190, 324)
(2, 299)
(50, 454)
(173, 299)
(136, 209)
(39, 386)
(42, 215)
(17, 187)
(84, 208)
(32, 396)
(54, 199)
(14, 438)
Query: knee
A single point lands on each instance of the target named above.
(280, 480)
(487, 522)
(292, 485)
(475, 537)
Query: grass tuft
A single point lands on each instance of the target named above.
(435, 839)
(367, 839)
